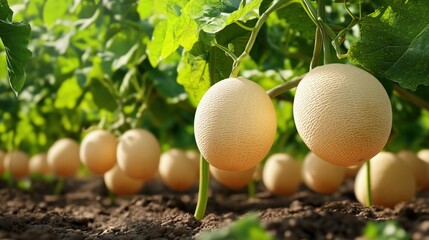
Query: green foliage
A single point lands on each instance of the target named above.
(389, 230)
(248, 227)
(394, 43)
(127, 63)
(15, 38)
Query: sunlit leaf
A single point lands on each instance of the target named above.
(394, 43)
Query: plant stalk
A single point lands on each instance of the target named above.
(408, 96)
(325, 36)
(368, 183)
(203, 189)
(59, 186)
(275, 6)
(251, 189)
(284, 87)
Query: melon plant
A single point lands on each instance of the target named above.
(235, 124)
(392, 181)
(342, 113)
(98, 151)
(282, 174)
(138, 154)
(16, 162)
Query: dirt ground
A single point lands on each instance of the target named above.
(84, 211)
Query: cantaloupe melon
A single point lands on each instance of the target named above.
(232, 179)
(235, 124)
(418, 167)
(424, 155)
(282, 174)
(63, 157)
(342, 113)
(39, 164)
(177, 170)
(16, 162)
(392, 181)
(120, 183)
(321, 176)
(138, 154)
(98, 151)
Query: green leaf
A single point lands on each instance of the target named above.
(5, 12)
(178, 29)
(145, 8)
(54, 10)
(15, 37)
(68, 93)
(247, 227)
(205, 65)
(213, 15)
(384, 231)
(103, 98)
(394, 41)
(298, 20)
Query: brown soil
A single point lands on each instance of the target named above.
(84, 211)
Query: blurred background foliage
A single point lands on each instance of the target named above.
(120, 64)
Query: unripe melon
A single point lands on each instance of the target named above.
(418, 167)
(232, 179)
(321, 176)
(177, 171)
(98, 151)
(281, 174)
(16, 163)
(63, 157)
(342, 113)
(120, 183)
(392, 181)
(235, 124)
(39, 164)
(138, 154)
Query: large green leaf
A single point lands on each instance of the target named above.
(5, 12)
(394, 41)
(15, 37)
(205, 64)
(178, 29)
(214, 15)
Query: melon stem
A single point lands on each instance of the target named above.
(275, 6)
(59, 186)
(203, 189)
(368, 184)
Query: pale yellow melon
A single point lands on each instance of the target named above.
(138, 154)
(281, 174)
(342, 113)
(235, 124)
(16, 162)
(424, 155)
(120, 183)
(232, 179)
(98, 151)
(63, 157)
(392, 181)
(2, 154)
(39, 164)
(177, 171)
(321, 176)
(418, 167)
